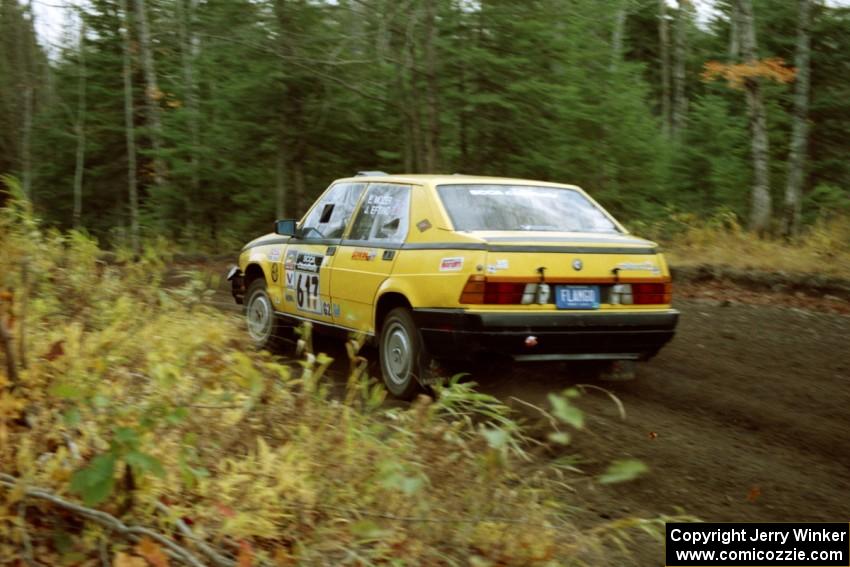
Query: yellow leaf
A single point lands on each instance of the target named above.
(151, 551)
(124, 560)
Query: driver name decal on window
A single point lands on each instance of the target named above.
(378, 205)
(383, 214)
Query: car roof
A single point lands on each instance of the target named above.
(450, 179)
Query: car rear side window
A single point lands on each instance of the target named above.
(332, 213)
(383, 214)
(522, 207)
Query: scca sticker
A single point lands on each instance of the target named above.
(306, 262)
(451, 264)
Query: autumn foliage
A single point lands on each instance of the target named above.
(146, 432)
(737, 74)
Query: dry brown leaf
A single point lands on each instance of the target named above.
(246, 555)
(122, 559)
(151, 551)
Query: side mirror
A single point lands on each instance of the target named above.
(285, 227)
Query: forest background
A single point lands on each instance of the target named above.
(203, 120)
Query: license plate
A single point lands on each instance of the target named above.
(577, 296)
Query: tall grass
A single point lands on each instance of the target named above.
(823, 248)
(145, 404)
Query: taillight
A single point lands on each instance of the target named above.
(479, 290)
(503, 293)
(652, 293)
(473, 291)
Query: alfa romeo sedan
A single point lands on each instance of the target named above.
(446, 267)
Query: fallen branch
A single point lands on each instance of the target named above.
(107, 520)
(184, 529)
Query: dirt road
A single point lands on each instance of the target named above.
(744, 416)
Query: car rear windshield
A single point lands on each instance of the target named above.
(522, 207)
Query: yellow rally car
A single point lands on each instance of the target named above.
(448, 266)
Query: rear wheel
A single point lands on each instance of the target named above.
(264, 328)
(404, 361)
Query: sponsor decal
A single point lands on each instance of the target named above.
(499, 265)
(640, 267)
(337, 310)
(326, 309)
(306, 262)
(363, 254)
(290, 280)
(454, 264)
(423, 225)
(274, 254)
(289, 264)
(275, 272)
(289, 298)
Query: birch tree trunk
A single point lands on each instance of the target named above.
(190, 49)
(27, 64)
(680, 56)
(760, 200)
(129, 129)
(432, 104)
(664, 43)
(734, 34)
(617, 36)
(80, 128)
(152, 93)
(800, 125)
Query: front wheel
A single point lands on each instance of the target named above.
(263, 325)
(404, 361)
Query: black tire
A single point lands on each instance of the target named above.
(405, 364)
(264, 327)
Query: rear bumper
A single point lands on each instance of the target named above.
(456, 333)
